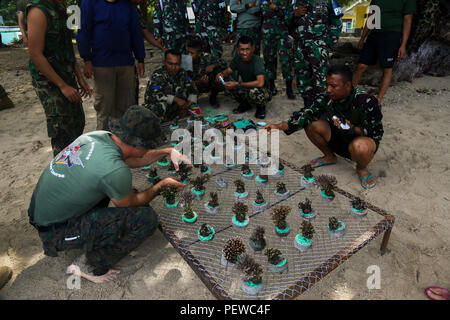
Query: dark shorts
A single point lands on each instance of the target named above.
(381, 46)
(339, 143)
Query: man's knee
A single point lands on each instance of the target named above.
(361, 67)
(362, 147)
(320, 126)
(148, 220)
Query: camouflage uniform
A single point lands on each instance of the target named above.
(171, 24)
(206, 60)
(360, 108)
(275, 38)
(162, 88)
(105, 234)
(256, 97)
(252, 32)
(209, 24)
(315, 33)
(65, 119)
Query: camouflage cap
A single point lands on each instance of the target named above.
(139, 127)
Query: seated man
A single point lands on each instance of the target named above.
(348, 123)
(69, 206)
(252, 90)
(170, 91)
(206, 67)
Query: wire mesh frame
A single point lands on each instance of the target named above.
(306, 281)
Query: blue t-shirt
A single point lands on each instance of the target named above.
(110, 33)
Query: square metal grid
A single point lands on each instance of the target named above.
(304, 268)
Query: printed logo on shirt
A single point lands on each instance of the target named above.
(71, 156)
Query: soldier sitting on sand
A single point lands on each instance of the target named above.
(252, 90)
(69, 206)
(348, 124)
(206, 66)
(170, 91)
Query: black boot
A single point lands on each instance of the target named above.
(273, 89)
(213, 99)
(290, 94)
(260, 112)
(243, 107)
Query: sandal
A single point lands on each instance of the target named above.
(445, 294)
(321, 163)
(366, 180)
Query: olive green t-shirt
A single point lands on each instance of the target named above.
(392, 13)
(247, 71)
(90, 169)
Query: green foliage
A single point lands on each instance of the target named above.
(253, 271)
(333, 223)
(307, 230)
(273, 255)
(305, 206)
(214, 202)
(8, 11)
(240, 210)
(169, 193)
(279, 215)
(240, 186)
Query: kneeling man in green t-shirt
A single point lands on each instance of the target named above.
(249, 87)
(69, 206)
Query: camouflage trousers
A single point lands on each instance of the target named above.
(256, 97)
(211, 40)
(105, 234)
(310, 64)
(175, 42)
(65, 119)
(275, 44)
(163, 110)
(254, 33)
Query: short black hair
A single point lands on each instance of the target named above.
(172, 52)
(195, 44)
(245, 40)
(344, 71)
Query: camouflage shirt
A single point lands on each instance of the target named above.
(319, 23)
(58, 47)
(206, 60)
(170, 19)
(275, 20)
(162, 87)
(209, 14)
(360, 108)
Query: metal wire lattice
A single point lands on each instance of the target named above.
(304, 268)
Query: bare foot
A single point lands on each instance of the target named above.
(323, 161)
(111, 275)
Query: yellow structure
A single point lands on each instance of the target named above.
(355, 16)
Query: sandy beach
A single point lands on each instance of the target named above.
(411, 167)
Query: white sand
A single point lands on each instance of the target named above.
(411, 166)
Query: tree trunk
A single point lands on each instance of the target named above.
(429, 45)
(428, 50)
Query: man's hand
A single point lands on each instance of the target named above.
(169, 182)
(180, 102)
(402, 52)
(203, 80)
(300, 11)
(140, 69)
(70, 93)
(219, 75)
(272, 126)
(176, 157)
(210, 68)
(361, 44)
(251, 5)
(231, 85)
(88, 70)
(85, 90)
(272, 6)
